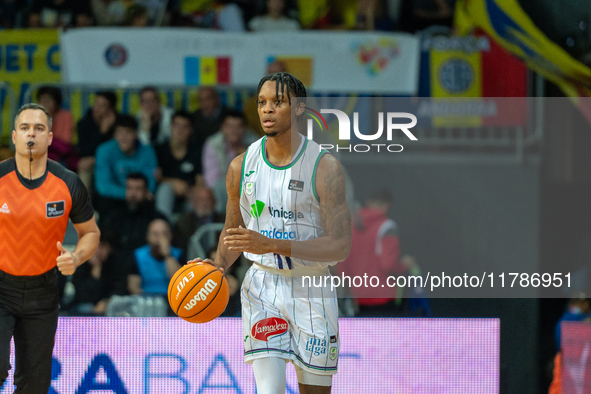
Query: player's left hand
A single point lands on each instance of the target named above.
(66, 261)
(245, 240)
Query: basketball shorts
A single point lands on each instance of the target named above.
(281, 318)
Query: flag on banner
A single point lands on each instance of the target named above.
(472, 68)
(207, 70)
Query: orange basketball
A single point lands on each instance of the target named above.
(198, 293)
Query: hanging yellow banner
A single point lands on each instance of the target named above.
(26, 57)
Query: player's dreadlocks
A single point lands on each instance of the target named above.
(285, 82)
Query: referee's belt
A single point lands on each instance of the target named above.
(298, 272)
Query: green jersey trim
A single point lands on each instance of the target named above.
(284, 167)
(242, 171)
(322, 153)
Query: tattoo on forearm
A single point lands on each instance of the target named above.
(335, 213)
(230, 184)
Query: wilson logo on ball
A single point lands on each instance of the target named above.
(208, 287)
(263, 329)
(183, 282)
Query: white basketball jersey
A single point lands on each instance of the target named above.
(282, 202)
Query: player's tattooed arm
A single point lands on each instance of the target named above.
(334, 207)
(224, 257)
(335, 245)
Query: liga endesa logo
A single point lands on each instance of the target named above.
(345, 130)
(263, 329)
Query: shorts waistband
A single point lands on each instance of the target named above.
(298, 272)
(25, 282)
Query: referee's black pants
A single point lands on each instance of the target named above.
(29, 312)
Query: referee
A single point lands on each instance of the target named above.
(37, 197)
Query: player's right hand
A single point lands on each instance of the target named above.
(199, 260)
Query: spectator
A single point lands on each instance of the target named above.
(177, 19)
(156, 262)
(129, 222)
(375, 251)
(9, 12)
(84, 19)
(55, 13)
(421, 14)
(203, 212)
(97, 126)
(207, 120)
(578, 309)
(109, 12)
(179, 166)
(373, 15)
(97, 280)
(314, 14)
(157, 9)
(274, 19)
(154, 119)
(328, 14)
(213, 14)
(120, 157)
(136, 16)
(220, 149)
(61, 149)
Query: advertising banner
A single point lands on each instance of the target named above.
(576, 360)
(334, 62)
(169, 355)
(26, 57)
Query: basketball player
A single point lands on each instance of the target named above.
(288, 213)
(37, 197)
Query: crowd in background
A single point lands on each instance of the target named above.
(155, 177)
(230, 15)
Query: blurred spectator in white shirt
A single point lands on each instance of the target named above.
(154, 119)
(213, 14)
(55, 13)
(274, 19)
(109, 12)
